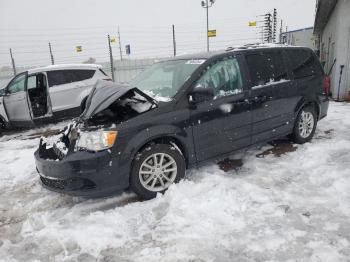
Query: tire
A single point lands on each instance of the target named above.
(305, 125)
(3, 124)
(147, 181)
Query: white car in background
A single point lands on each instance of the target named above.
(47, 93)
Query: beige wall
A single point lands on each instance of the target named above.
(335, 44)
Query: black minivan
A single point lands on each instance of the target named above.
(182, 112)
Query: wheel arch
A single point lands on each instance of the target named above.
(304, 103)
(167, 139)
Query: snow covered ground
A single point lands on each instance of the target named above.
(287, 208)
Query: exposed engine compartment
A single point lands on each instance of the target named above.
(131, 104)
(126, 107)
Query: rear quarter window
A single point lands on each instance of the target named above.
(103, 72)
(303, 63)
(81, 75)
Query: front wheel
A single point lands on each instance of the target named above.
(3, 125)
(305, 125)
(156, 168)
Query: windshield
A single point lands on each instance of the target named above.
(163, 80)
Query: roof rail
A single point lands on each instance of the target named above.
(255, 45)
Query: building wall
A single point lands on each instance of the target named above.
(335, 44)
(303, 37)
(344, 46)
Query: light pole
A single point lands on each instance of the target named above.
(206, 4)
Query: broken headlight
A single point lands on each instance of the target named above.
(96, 140)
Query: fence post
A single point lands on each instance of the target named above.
(174, 40)
(120, 45)
(13, 63)
(111, 57)
(51, 55)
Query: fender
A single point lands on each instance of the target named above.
(156, 132)
(303, 102)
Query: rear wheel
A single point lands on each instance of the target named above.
(305, 125)
(155, 169)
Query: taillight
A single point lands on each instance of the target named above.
(327, 81)
(108, 79)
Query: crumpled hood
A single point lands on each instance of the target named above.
(103, 94)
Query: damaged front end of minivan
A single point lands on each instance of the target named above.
(82, 157)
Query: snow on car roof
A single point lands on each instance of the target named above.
(233, 48)
(64, 66)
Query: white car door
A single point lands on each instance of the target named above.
(16, 100)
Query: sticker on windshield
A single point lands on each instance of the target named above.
(195, 62)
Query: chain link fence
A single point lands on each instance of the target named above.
(124, 70)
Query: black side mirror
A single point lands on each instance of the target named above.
(201, 94)
(3, 92)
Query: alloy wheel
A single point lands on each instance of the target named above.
(306, 124)
(158, 172)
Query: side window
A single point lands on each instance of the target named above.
(36, 81)
(224, 77)
(303, 63)
(80, 75)
(61, 77)
(266, 67)
(58, 77)
(31, 83)
(17, 85)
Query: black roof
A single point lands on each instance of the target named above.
(245, 48)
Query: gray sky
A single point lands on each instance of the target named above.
(27, 26)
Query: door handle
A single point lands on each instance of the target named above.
(242, 102)
(259, 99)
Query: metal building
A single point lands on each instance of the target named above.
(301, 37)
(332, 26)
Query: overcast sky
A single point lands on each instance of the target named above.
(27, 26)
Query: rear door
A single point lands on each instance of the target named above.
(307, 73)
(272, 94)
(37, 89)
(16, 100)
(223, 124)
(67, 86)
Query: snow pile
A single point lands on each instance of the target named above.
(288, 208)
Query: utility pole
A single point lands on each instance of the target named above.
(51, 55)
(274, 33)
(13, 63)
(268, 28)
(111, 57)
(281, 31)
(207, 5)
(174, 41)
(262, 34)
(120, 46)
